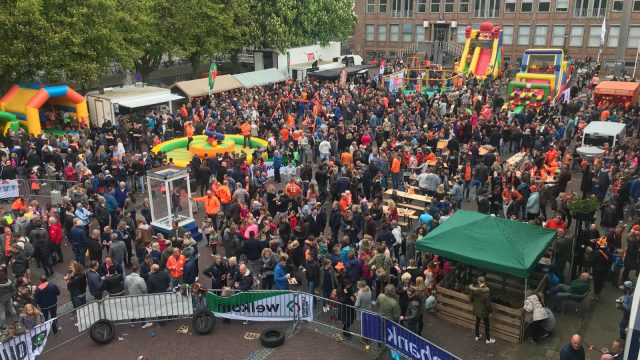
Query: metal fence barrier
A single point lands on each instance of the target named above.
(297, 307)
(48, 188)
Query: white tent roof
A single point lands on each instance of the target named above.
(148, 99)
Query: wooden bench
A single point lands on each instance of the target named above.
(411, 206)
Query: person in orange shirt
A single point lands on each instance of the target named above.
(292, 189)
(175, 265)
(224, 194)
(290, 120)
(211, 206)
(19, 205)
(284, 133)
(188, 130)
(468, 175)
(551, 154)
(345, 201)
(510, 197)
(246, 133)
(396, 175)
(295, 135)
(346, 158)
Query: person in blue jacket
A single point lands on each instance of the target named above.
(280, 276)
(46, 297)
(190, 271)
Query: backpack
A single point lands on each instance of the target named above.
(28, 247)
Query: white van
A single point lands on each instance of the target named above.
(598, 133)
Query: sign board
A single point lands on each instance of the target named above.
(9, 189)
(262, 306)
(411, 345)
(27, 346)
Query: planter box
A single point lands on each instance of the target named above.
(583, 216)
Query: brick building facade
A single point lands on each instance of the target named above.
(385, 27)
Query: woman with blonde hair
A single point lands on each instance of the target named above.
(30, 317)
(392, 210)
(267, 265)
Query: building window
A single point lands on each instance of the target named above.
(575, 38)
(371, 6)
(408, 8)
(394, 33)
(510, 6)
(420, 33)
(369, 34)
(613, 34)
(507, 34)
(486, 9)
(460, 36)
(463, 6)
(581, 8)
(407, 33)
(422, 6)
(594, 36)
(524, 32)
(392, 53)
(382, 32)
(507, 59)
(448, 6)
(435, 6)
(562, 5)
(541, 35)
(634, 37)
(617, 5)
(396, 8)
(636, 5)
(544, 6)
(382, 6)
(526, 6)
(557, 35)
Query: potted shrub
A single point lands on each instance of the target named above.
(584, 209)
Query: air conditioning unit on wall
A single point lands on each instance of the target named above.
(454, 24)
(425, 24)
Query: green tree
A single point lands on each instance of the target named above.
(56, 40)
(288, 23)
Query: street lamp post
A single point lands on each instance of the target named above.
(635, 64)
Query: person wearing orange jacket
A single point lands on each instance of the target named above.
(224, 194)
(175, 265)
(246, 133)
(396, 175)
(19, 205)
(188, 130)
(211, 206)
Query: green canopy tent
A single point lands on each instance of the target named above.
(488, 242)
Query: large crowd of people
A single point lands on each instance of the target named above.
(323, 218)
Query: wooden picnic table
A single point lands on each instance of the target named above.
(405, 195)
(484, 149)
(401, 211)
(515, 159)
(407, 214)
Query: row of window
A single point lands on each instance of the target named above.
(491, 8)
(526, 35)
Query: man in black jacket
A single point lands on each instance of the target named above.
(245, 282)
(40, 240)
(159, 281)
(252, 249)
